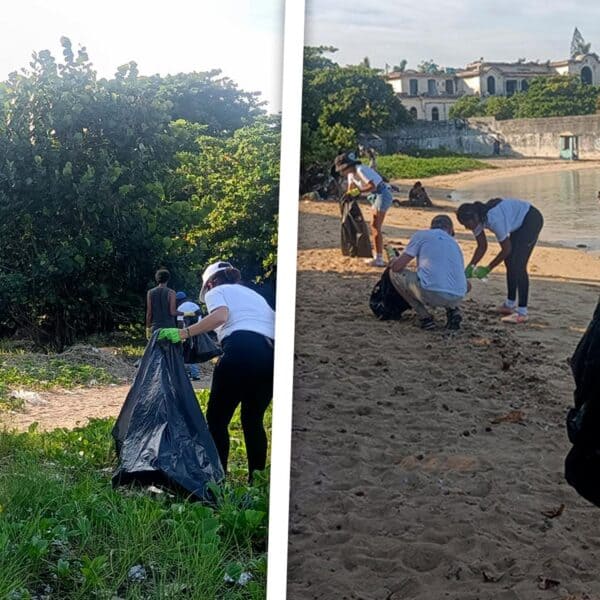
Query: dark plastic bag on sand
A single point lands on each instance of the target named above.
(355, 233)
(161, 435)
(385, 301)
(582, 465)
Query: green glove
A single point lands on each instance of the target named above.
(469, 271)
(481, 272)
(171, 334)
(354, 192)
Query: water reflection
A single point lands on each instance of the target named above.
(568, 200)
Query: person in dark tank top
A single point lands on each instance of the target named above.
(161, 304)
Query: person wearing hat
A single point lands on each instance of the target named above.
(188, 312)
(439, 280)
(365, 180)
(245, 326)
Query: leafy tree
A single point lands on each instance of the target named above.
(401, 67)
(428, 66)
(92, 196)
(500, 107)
(466, 107)
(556, 96)
(234, 190)
(366, 62)
(578, 44)
(341, 102)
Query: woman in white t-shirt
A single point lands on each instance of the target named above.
(245, 326)
(366, 180)
(516, 225)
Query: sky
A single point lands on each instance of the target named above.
(243, 38)
(451, 32)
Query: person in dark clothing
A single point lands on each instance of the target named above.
(417, 196)
(245, 326)
(161, 304)
(517, 225)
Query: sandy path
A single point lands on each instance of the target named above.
(403, 487)
(73, 408)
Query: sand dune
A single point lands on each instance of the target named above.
(429, 465)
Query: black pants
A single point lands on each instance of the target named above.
(522, 242)
(243, 375)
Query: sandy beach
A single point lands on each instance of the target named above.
(429, 465)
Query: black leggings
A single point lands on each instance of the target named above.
(244, 374)
(522, 242)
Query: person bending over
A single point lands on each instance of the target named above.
(245, 326)
(367, 181)
(439, 280)
(516, 225)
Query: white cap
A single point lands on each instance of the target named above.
(210, 272)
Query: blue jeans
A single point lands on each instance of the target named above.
(192, 370)
(381, 200)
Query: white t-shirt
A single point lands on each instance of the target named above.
(440, 262)
(187, 307)
(248, 311)
(363, 175)
(507, 216)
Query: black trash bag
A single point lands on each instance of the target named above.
(582, 465)
(385, 301)
(199, 348)
(161, 435)
(355, 232)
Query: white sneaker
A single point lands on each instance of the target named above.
(375, 262)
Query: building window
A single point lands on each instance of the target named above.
(413, 112)
(491, 85)
(431, 87)
(524, 85)
(449, 87)
(511, 87)
(586, 75)
(435, 114)
(413, 87)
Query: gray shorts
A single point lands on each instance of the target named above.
(382, 199)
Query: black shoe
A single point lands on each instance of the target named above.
(427, 323)
(453, 319)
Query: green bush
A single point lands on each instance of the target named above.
(402, 166)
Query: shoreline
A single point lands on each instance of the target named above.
(504, 167)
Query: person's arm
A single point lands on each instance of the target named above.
(172, 304)
(215, 319)
(400, 263)
(505, 250)
(368, 186)
(481, 248)
(148, 311)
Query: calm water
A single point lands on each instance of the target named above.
(567, 199)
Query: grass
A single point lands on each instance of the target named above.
(65, 533)
(403, 166)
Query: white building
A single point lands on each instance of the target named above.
(429, 96)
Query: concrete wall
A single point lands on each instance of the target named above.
(517, 137)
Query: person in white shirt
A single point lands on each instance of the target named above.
(245, 325)
(439, 280)
(188, 312)
(516, 225)
(367, 181)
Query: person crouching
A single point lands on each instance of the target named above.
(439, 280)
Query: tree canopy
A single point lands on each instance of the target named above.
(103, 181)
(339, 102)
(556, 96)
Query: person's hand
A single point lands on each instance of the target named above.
(481, 272)
(170, 334)
(469, 271)
(354, 192)
(148, 333)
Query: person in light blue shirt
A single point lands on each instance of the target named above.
(439, 280)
